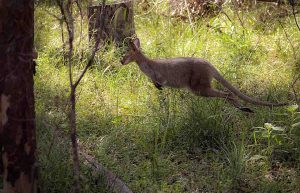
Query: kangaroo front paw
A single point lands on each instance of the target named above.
(246, 109)
(158, 86)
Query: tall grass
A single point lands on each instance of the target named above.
(169, 140)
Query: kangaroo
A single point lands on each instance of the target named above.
(195, 74)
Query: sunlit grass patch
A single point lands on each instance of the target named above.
(171, 140)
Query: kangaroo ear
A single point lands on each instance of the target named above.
(135, 44)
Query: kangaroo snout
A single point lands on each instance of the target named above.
(127, 58)
(124, 59)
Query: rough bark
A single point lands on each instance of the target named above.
(17, 117)
(118, 21)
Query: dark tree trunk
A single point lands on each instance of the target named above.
(118, 22)
(17, 117)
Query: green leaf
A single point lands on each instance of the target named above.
(296, 124)
(277, 138)
(292, 108)
(268, 126)
(261, 128)
(258, 157)
(278, 128)
(117, 119)
(265, 134)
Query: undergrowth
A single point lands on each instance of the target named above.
(171, 140)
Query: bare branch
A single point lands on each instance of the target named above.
(70, 27)
(293, 87)
(81, 21)
(189, 15)
(68, 19)
(95, 49)
(53, 15)
(73, 128)
(67, 14)
(226, 16)
(292, 2)
(287, 37)
(61, 25)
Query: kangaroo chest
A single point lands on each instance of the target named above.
(145, 68)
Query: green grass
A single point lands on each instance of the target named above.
(171, 140)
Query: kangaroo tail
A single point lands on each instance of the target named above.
(238, 93)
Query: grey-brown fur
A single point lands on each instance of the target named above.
(193, 73)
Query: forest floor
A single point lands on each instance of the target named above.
(171, 140)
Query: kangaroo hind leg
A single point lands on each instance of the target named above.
(210, 92)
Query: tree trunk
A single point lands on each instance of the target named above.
(17, 117)
(118, 21)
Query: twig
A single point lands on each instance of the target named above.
(241, 21)
(226, 15)
(238, 15)
(53, 15)
(73, 126)
(287, 37)
(81, 23)
(70, 27)
(61, 25)
(68, 19)
(50, 146)
(63, 41)
(91, 59)
(293, 86)
(67, 14)
(292, 2)
(189, 15)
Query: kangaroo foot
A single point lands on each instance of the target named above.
(246, 109)
(158, 86)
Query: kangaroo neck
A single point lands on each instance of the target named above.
(141, 59)
(145, 64)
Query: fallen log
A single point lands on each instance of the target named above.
(113, 182)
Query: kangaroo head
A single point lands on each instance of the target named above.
(132, 53)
